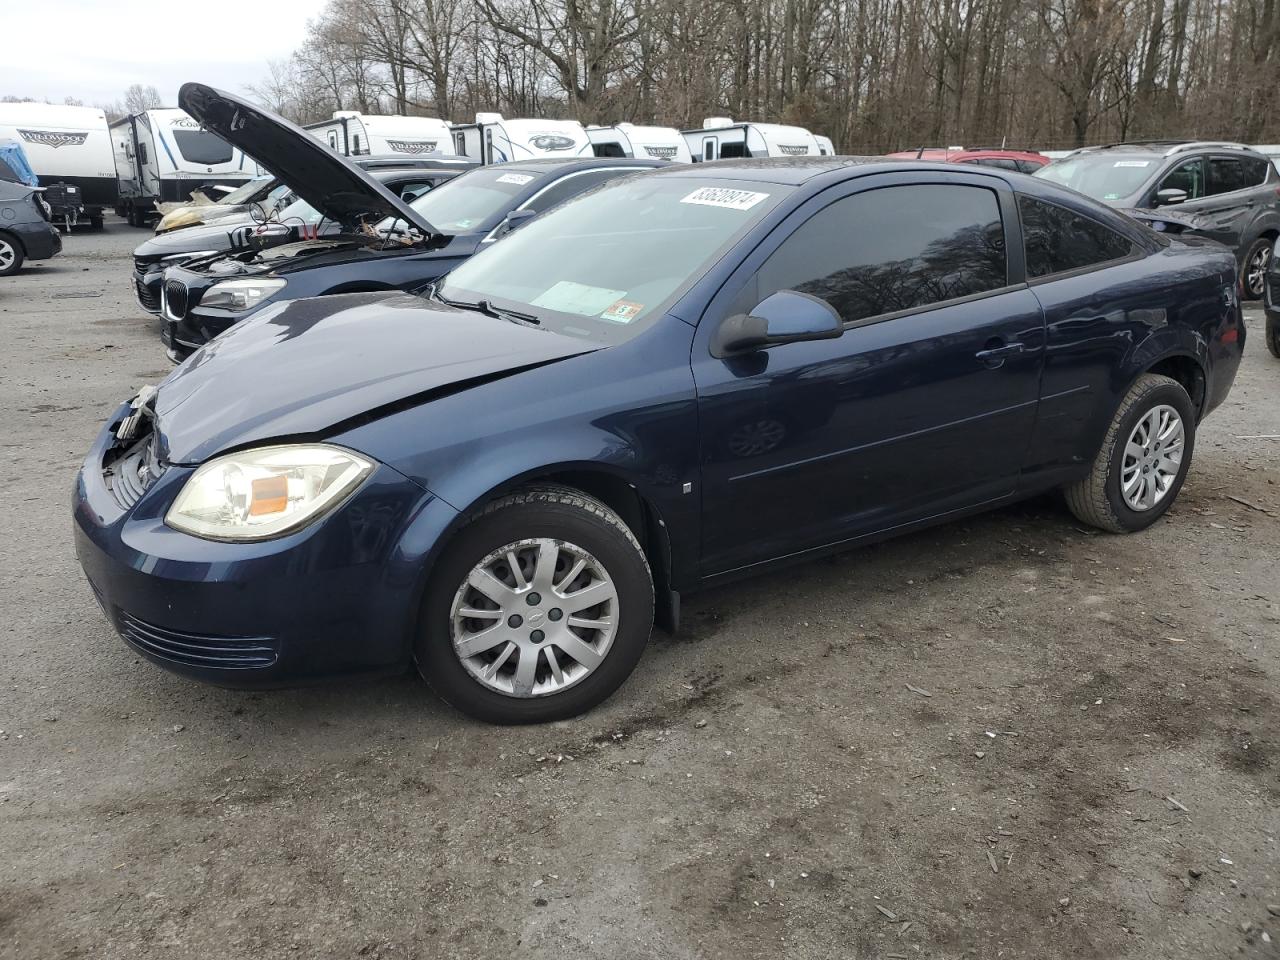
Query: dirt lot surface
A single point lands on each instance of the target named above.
(1007, 737)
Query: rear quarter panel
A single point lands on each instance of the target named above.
(1109, 326)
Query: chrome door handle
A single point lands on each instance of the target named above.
(995, 356)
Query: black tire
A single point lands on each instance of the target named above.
(1096, 498)
(558, 513)
(1273, 335)
(95, 223)
(14, 250)
(1260, 250)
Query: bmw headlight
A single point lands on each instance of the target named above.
(264, 493)
(240, 295)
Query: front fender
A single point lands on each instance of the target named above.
(627, 411)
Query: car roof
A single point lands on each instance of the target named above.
(396, 173)
(968, 153)
(545, 164)
(1167, 148)
(785, 170)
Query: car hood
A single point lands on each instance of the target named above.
(305, 367)
(214, 236)
(332, 184)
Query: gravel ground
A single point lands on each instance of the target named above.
(1007, 737)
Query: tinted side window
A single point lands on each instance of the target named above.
(571, 186)
(414, 189)
(1028, 166)
(1187, 176)
(1235, 173)
(896, 248)
(1058, 240)
(999, 162)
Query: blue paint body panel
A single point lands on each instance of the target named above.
(784, 452)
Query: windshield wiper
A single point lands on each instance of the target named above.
(485, 306)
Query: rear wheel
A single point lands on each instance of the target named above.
(1273, 335)
(538, 610)
(10, 255)
(1253, 275)
(1143, 461)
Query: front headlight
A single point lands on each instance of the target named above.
(240, 295)
(263, 493)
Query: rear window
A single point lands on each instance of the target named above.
(1059, 240)
(200, 146)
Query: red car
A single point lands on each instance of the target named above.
(1024, 161)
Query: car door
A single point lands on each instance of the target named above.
(924, 404)
(1219, 195)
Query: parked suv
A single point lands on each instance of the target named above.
(1224, 191)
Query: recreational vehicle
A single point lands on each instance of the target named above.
(163, 155)
(491, 139)
(629, 140)
(721, 138)
(69, 148)
(354, 134)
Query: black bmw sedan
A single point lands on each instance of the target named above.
(285, 219)
(506, 482)
(371, 243)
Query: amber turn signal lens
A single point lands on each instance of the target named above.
(270, 495)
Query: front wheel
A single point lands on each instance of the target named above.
(538, 610)
(10, 255)
(1143, 461)
(1253, 275)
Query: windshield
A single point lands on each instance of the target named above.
(244, 193)
(299, 211)
(473, 202)
(1100, 176)
(201, 146)
(604, 265)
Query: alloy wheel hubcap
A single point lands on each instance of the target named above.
(534, 618)
(1257, 272)
(1152, 458)
(6, 255)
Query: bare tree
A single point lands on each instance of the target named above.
(138, 98)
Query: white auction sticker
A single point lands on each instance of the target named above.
(724, 197)
(517, 178)
(1132, 163)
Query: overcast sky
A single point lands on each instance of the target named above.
(93, 49)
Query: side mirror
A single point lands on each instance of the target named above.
(1169, 196)
(787, 316)
(514, 219)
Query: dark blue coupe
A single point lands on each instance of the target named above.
(678, 378)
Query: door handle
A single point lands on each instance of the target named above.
(994, 357)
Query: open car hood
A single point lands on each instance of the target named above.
(305, 366)
(332, 184)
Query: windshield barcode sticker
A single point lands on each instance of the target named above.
(723, 197)
(520, 179)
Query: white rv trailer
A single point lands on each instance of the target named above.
(825, 146)
(629, 140)
(69, 149)
(491, 139)
(163, 155)
(720, 139)
(355, 134)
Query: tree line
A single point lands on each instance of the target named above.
(875, 75)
